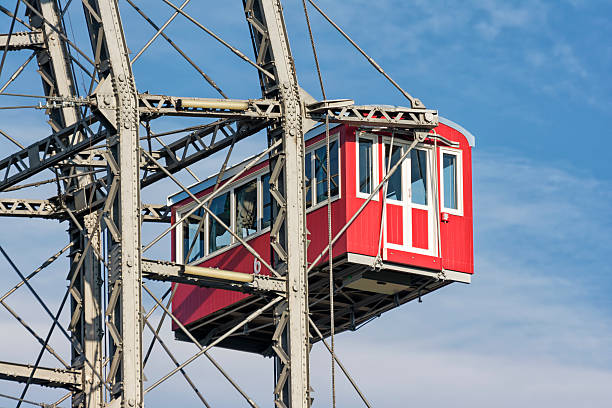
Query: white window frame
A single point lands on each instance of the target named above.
(374, 174)
(313, 181)
(407, 203)
(459, 158)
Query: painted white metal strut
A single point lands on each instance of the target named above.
(288, 232)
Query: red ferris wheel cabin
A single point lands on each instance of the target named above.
(415, 235)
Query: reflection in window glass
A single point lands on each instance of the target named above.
(219, 237)
(267, 205)
(394, 185)
(308, 176)
(193, 236)
(418, 172)
(321, 170)
(449, 165)
(365, 166)
(246, 209)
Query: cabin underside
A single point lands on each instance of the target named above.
(361, 294)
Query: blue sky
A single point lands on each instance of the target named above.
(531, 80)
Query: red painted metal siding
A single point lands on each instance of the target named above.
(457, 239)
(420, 228)
(395, 224)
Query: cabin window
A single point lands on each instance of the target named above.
(394, 184)
(418, 176)
(266, 202)
(246, 209)
(308, 181)
(193, 236)
(366, 167)
(218, 236)
(451, 181)
(320, 167)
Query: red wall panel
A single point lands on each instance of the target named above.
(420, 228)
(395, 224)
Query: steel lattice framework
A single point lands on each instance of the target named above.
(100, 164)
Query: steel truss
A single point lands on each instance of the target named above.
(99, 132)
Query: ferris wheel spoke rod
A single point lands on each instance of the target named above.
(17, 72)
(48, 262)
(235, 50)
(40, 404)
(10, 34)
(176, 363)
(159, 325)
(40, 340)
(177, 48)
(344, 370)
(199, 346)
(58, 31)
(44, 346)
(413, 101)
(366, 202)
(72, 341)
(11, 139)
(211, 196)
(165, 146)
(159, 30)
(10, 14)
(248, 319)
(59, 401)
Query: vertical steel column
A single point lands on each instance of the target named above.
(91, 326)
(288, 232)
(54, 63)
(85, 324)
(121, 213)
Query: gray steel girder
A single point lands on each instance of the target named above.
(23, 40)
(50, 209)
(172, 272)
(48, 377)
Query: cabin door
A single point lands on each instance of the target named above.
(409, 200)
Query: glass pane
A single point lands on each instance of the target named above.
(365, 166)
(308, 175)
(418, 172)
(219, 237)
(193, 236)
(333, 163)
(321, 173)
(267, 205)
(449, 164)
(394, 185)
(246, 209)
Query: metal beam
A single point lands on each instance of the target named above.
(23, 40)
(48, 377)
(21, 207)
(46, 153)
(209, 277)
(152, 106)
(194, 146)
(373, 115)
(50, 209)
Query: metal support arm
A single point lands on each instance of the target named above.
(48, 377)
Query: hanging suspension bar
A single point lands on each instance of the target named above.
(414, 102)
